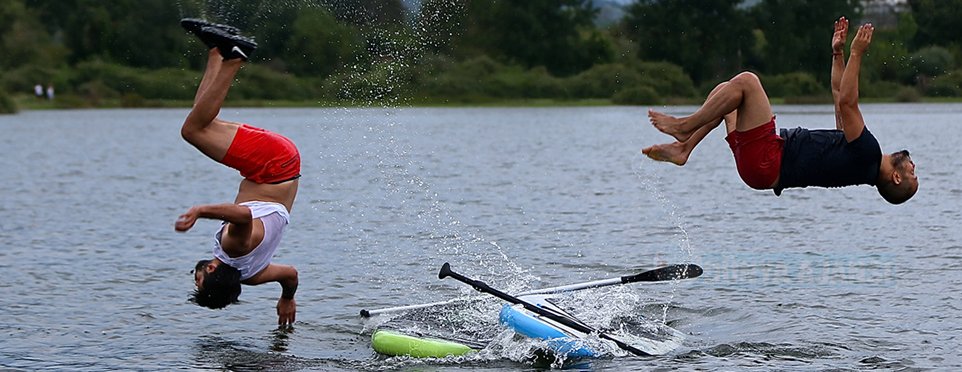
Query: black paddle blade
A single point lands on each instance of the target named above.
(672, 272)
(445, 271)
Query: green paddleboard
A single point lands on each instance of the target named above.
(396, 344)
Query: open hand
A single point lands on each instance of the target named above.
(286, 311)
(841, 33)
(862, 39)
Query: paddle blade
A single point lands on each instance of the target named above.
(445, 271)
(672, 272)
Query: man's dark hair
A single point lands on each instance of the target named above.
(898, 194)
(219, 288)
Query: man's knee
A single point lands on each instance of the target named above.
(190, 133)
(196, 127)
(746, 78)
(747, 82)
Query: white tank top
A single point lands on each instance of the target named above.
(275, 217)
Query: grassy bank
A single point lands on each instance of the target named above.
(30, 103)
(436, 81)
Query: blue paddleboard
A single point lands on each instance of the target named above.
(562, 340)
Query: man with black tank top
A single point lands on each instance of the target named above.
(845, 156)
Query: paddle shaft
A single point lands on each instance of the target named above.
(483, 287)
(671, 272)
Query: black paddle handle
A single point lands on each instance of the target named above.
(476, 284)
(483, 287)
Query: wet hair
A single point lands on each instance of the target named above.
(219, 288)
(898, 194)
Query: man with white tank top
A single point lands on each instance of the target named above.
(270, 164)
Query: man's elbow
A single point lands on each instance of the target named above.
(289, 283)
(245, 214)
(292, 275)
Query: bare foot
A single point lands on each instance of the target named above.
(675, 153)
(669, 125)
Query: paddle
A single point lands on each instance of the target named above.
(482, 287)
(671, 272)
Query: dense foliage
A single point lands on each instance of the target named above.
(133, 52)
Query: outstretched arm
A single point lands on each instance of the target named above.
(238, 217)
(287, 276)
(851, 117)
(232, 213)
(838, 63)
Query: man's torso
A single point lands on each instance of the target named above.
(269, 221)
(823, 158)
(282, 193)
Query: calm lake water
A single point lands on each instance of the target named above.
(96, 278)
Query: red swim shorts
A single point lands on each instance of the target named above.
(263, 156)
(758, 155)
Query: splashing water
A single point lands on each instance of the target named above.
(648, 181)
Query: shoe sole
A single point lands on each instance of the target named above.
(230, 46)
(196, 24)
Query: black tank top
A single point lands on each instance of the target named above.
(823, 158)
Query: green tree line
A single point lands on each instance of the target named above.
(134, 53)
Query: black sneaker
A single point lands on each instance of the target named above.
(194, 26)
(231, 46)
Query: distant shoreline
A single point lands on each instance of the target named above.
(29, 103)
